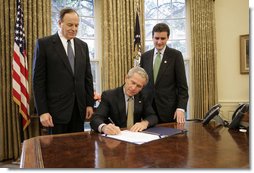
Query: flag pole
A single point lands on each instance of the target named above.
(17, 161)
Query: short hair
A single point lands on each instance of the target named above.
(140, 71)
(161, 27)
(65, 11)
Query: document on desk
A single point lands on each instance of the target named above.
(134, 137)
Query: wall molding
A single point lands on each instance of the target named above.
(229, 107)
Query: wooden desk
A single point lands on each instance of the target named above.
(201, 147)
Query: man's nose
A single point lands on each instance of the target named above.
(74, 27)
(159, 41)
(133, 87)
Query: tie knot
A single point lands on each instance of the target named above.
(130, 99)
(158, 55)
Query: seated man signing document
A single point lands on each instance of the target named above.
(125, 106)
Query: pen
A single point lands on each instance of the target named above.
(110, 120)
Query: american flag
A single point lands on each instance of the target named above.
(20, 88)
(137, 42)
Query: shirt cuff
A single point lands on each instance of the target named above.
(100, 127)
(180, 109)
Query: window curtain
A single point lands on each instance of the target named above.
(203, 43)
(37, 23)
(118, 39)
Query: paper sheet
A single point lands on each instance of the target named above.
(134, 137)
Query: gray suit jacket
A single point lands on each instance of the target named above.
(170, 91)
(55, 86)
(113, 105)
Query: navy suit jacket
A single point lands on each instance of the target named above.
(170, 91)
(55, 86)
(113, 105)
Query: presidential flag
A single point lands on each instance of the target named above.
(137, 32)
(20, 88)
(137, 42)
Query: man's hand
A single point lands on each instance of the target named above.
(46, 120)
(89, 112)
(110, 129)
(140, 126)
(179, 116)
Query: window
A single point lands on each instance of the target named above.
(171, 12)
(86, 31)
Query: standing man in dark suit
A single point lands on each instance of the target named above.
(167, 88)
(114, 110)
(62, 78)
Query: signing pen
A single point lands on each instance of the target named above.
(110, 120)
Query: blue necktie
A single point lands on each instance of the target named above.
(70, 55)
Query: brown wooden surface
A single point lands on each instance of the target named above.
(201, 147)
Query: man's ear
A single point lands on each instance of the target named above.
(59, 23)
(126, 77)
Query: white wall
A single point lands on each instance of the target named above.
(232, 20)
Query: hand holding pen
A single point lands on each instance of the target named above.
(110, 120)
(111, 128)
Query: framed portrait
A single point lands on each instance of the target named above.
(244, 54)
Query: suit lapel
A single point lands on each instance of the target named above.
(137, 106)
(61, 51)
(121, 104)
(78, 55)
(150, 65)
(164, 64)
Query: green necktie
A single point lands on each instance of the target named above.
(156, 66)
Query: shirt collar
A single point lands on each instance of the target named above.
(126, 97)
(161, 52)
(63, 39)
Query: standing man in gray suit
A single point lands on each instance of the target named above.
(62, 78)
(167, 89)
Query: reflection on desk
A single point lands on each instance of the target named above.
(201, 147)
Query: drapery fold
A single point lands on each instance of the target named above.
(118, 39)
(203, 43)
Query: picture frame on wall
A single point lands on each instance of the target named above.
(244, 54)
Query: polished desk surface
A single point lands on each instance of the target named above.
(207, 146)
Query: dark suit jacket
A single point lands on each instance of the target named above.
(55, 86)
(113, 105)
(170, 90)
